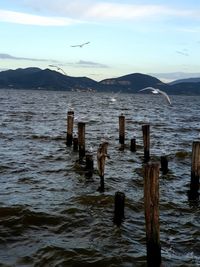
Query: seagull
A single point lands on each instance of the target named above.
(70, 106)
(113, 98)
(157, 91)
(80, 45)
(58, 68)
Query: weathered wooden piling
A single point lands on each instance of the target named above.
(151, 205)
(101, 158)
(195, 171)
(81, 140)
(133, 145)
(70, 124)
(164, 164)
(75, 143)
(119, 208)
(146, 141)
(89, 168)
(122, 129)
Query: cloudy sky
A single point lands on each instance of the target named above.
(155, 37)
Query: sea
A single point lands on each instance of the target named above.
(52, 215)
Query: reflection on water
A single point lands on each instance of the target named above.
(52, 216)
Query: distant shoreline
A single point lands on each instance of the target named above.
(51, 80)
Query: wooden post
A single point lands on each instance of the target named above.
(119, 208)
(122, 129)
(81, 140)
(164, 164)
(75, 143)
(89, 165)
(151, 205)
(101, 158)
(195, 171)
(146, 141)
(70, 124)
(133, 145)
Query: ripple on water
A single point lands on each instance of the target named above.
(52, 216)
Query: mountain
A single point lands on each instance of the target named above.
(187, 88)
(188, 80)
(133, 83)
(36, 78)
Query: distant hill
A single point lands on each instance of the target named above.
(36, 78)
(188, 80)
(188, 88)
(133, 82)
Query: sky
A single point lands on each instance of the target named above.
(160, 38)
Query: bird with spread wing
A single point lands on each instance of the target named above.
(58, 68)
(157, 91)
(80, 45)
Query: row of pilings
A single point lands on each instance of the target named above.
(151, 172)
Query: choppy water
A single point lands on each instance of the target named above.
(51, 215)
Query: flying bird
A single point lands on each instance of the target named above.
(114, 96)
(58, 68)
(80, 45)
(157, 91)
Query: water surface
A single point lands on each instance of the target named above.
(51, 215)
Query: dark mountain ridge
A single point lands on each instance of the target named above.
(133, 82)
(36, 78)
(188, 80)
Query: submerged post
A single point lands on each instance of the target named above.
(101, 158)
(89, 165)
(151, 205)
(195, 171)
(70, 124)
(119, 208)
(133, 145)
(122, 129)
(81, 140)
(146, 141)
(164, 164)
(75, 143)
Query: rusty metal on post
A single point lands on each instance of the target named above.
(146, 141)
(70, 125)
(195, 171)
(151, 205)
(122, 129)
(101, 158)
(81, 140)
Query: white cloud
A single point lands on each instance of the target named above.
(63, 12)
(10, 57)
(122, 11)
(80, 63)
(29, 19)
(84, 63)
(102, 10)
